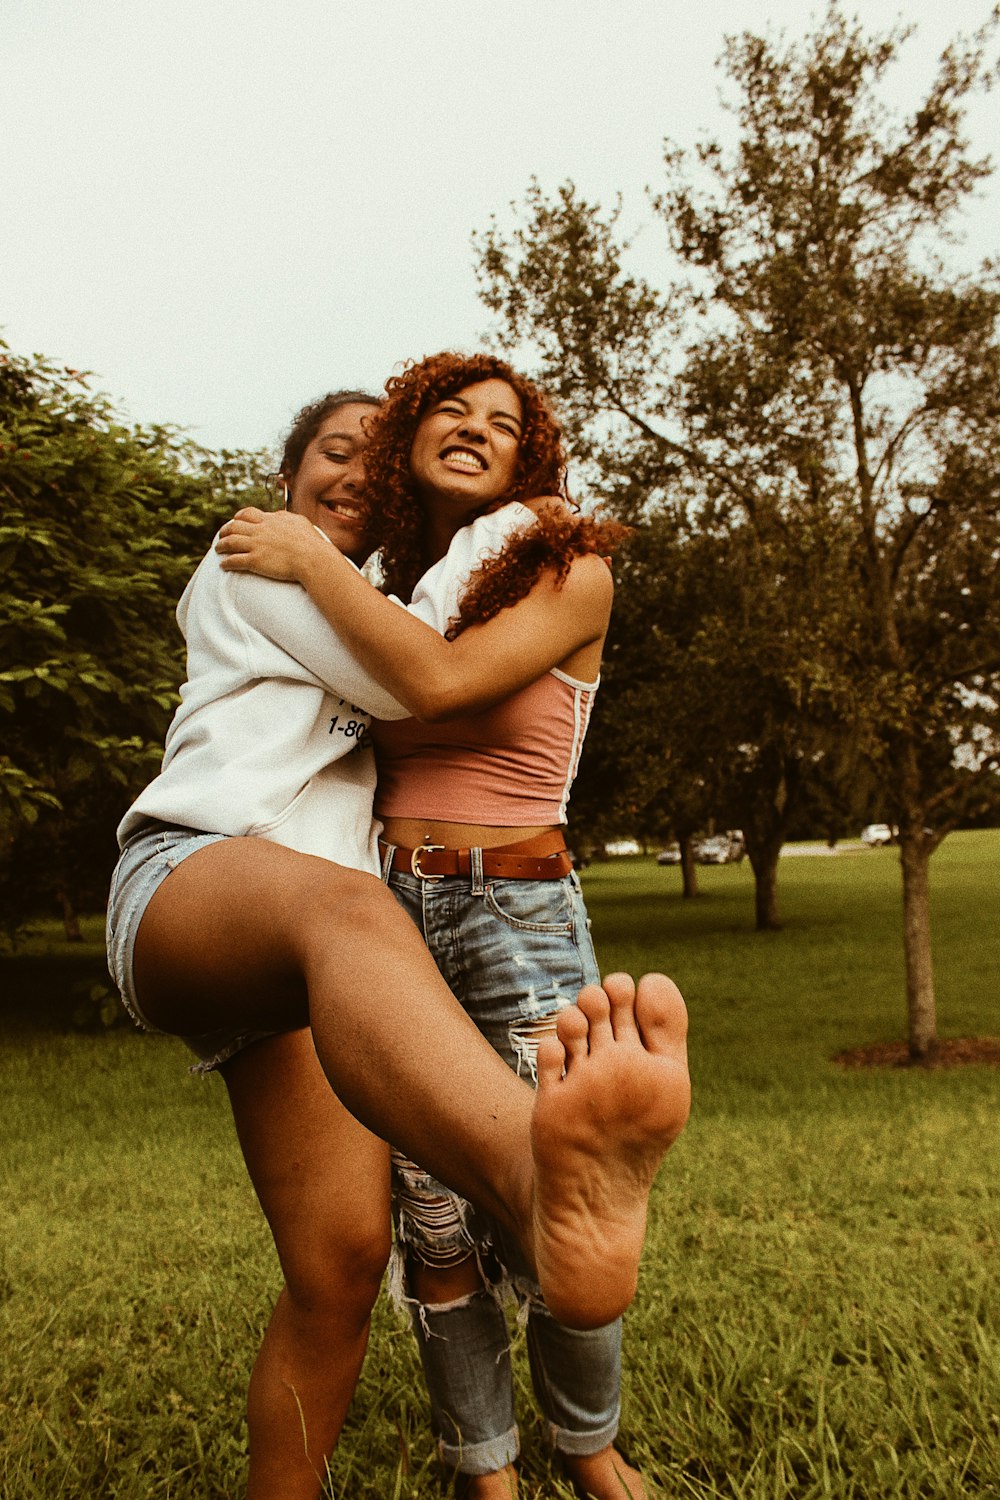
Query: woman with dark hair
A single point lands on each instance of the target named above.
(245, 910)
(472, 792)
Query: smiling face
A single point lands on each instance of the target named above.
(466, 447)
(328, 482)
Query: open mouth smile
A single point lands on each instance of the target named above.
(344, 511)
(464, 460)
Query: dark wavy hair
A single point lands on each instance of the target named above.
(398, 521)
(310, 419)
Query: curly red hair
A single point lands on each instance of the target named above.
(550, 545)
(398, 523)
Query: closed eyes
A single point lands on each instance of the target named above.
(501, 422)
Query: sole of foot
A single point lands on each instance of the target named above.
(613, 1096)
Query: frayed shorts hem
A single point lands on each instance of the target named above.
(150, 855)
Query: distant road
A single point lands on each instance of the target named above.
(855, 847)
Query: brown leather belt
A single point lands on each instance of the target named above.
(544, 857)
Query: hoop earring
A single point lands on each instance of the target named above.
(286, 494)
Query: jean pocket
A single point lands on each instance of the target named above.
(531, 905)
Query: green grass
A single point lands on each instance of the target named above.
(817, 1313)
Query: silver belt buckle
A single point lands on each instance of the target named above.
(415, 861)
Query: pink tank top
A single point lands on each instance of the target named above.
(510, 766)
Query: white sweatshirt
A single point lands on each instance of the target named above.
(271, 735)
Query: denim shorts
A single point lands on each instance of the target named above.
(145, 862)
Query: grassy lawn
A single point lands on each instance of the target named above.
(817, 1314)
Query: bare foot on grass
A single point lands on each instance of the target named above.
(501, 1485)
(599, 1131)
(595, 1476)
(604, 1476)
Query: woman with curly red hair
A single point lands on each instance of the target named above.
(472, 792)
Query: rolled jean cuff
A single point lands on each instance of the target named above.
(584, 1444)
(483, 1458)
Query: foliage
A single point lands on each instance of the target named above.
(102, 524)
(835, 407)
(720, 695)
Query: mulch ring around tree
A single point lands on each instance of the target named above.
(951, 1052)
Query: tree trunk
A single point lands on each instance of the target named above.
(71, 922)
(763, 810)
(689, 870)
(914, 856)
(764, 863)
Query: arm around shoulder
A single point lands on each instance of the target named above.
(489, 661)
(437, 679)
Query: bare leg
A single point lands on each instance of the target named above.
(323, 1182)
(246, 930)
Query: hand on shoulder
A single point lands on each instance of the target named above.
(277, 543)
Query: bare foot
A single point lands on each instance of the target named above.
(501, 1485)
(604, 1476)
(599, 1131)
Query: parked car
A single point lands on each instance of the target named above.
(711, 849)
(737, 845)
(622, 846)
(877, 834)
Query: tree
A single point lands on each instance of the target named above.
(102, 524)
(718, 701)
(839, 384)
(768, 675)
(635, 778)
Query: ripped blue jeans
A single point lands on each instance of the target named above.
(514, 952)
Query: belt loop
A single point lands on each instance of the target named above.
(390, 850)
(476, 871)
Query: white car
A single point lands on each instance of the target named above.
(877, 834)
(721, 848)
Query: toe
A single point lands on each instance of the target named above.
(573, 1031)
(620, 988)
(550, 1060)
(595, 1004)
(661, 1013)
(621, 993)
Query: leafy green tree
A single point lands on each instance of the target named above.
(634, 779)
(823, 372)
(759, 681)
(102, 524)
(822, 241)
(718, 700)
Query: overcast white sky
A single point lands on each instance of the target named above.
(226, 207)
